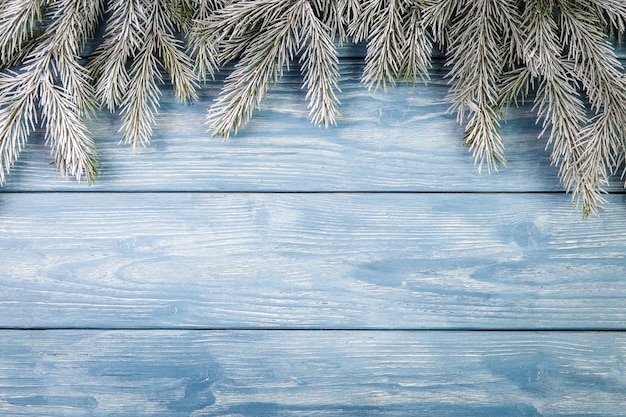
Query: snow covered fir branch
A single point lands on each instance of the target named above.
(556, 53)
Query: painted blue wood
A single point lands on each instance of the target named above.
(450, 249)
(168, 373)
(419, 261)
(401, 140)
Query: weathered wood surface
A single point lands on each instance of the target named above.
(310, 373)
(275, 243)
(401, 140)
(497, 261)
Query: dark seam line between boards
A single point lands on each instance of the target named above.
(330, 192)
(321, 329)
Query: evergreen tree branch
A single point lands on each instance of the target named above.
(381, 23)
(203, 50)
(438, 16)
(558, 102)
(235, 27)
(337, 15)
(398, 42)
(515, 87)
(418, 46)
(73, 21)
(477, 57)
(589, 48)
(122, 39)
(320, 68)
(359, 28)
(275, 28)
(18, 117)
(600, 73)
(267, 45)
(140, 105)
(65, 89)
(178, 66)
(74, 150)
(161, 26)
(613, 12)
(19, 20)
(182, 13)
(52, 79)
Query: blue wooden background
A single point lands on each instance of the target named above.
(364, 269)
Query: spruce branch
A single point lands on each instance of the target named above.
(203, 50)
(141, 101)
(337, 15)
(320, 68)
(155, 46)
(178, 65)
(267, 34)
(418, 50)
(53, 82)
(73, 21)
(18, 117)
(182, 13)
(600, 74)
(558, 102)
(160, 29)
(234, 28)
(260, 65)
(381, 23)
(438, 16)
(19, 20)
(476, 55)
(516, 85)
(613, 12)
(398, 42)
(67, 134)
(122, 38)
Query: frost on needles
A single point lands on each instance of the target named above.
(556, 53)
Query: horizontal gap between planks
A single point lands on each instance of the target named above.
(338, 192)
(321, 329)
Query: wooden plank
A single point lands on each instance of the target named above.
(417, 261)
(268, 373)
(402, 141)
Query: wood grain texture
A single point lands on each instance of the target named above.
(417, 261)
(272, 281)
(252, 373)
(402, 140)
